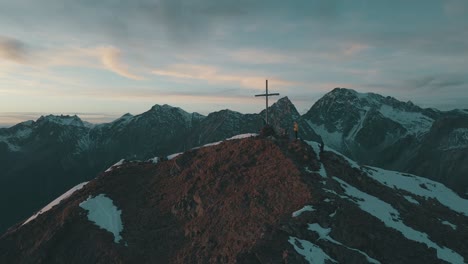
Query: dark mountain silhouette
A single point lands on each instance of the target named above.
(251, 200)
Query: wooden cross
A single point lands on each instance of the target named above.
(266, 94)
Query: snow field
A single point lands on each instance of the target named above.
(103, 212)
(391, 218)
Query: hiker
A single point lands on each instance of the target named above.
(296, 128)
(322, 146)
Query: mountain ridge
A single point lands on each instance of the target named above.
(229, 203)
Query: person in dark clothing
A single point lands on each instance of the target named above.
(322, 146)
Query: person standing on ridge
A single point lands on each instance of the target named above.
(296, 128)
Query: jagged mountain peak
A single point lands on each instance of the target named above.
(63, 120)
(121, 121)
(342, 91)
(284, 100)
(164, 107)
(342, 109)
(364, 100)
(165, 111)
(284, 107)
(226, 112)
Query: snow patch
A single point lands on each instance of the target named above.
(391, 218)
(415, 123)
(154, 160)
(174, 155)
(457, 139)
(411, 199)
(420, 186)
(11, 146)
(56, 201)
(83, 144)
(334, 139)
(324, 233)
(352, 134)
(247, 135)
(11, 140)
(307, 208)
(103, 212)
(322, 171)
(316, 148)
(212, 144)
(116, 165)
(454, 227)
(23, 133)
(311, 252)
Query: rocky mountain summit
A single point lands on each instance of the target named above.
(246, 200)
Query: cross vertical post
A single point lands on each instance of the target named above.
(266, 94)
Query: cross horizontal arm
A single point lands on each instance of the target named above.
(270, 94)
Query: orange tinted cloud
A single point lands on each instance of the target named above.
(212, 74)
(12, 50)
(110, 58)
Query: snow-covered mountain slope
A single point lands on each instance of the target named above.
(443, 153)
(46, 127)
(344, 116)
(248, 200)
(384, 132)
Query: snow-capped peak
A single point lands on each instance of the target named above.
(343, 116)
(64, 120)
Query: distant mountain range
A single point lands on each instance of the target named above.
(41, 159)
(247, 200)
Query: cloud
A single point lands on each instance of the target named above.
(438, 81)
(183, 22)
(257, 56)
(212, 74)
(12, 50)
(455, 7)
(104, 57)
(101, 57)
(354, 49)
(110, 58)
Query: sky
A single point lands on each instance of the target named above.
(101, 59)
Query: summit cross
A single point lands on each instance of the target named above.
(266, 94)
